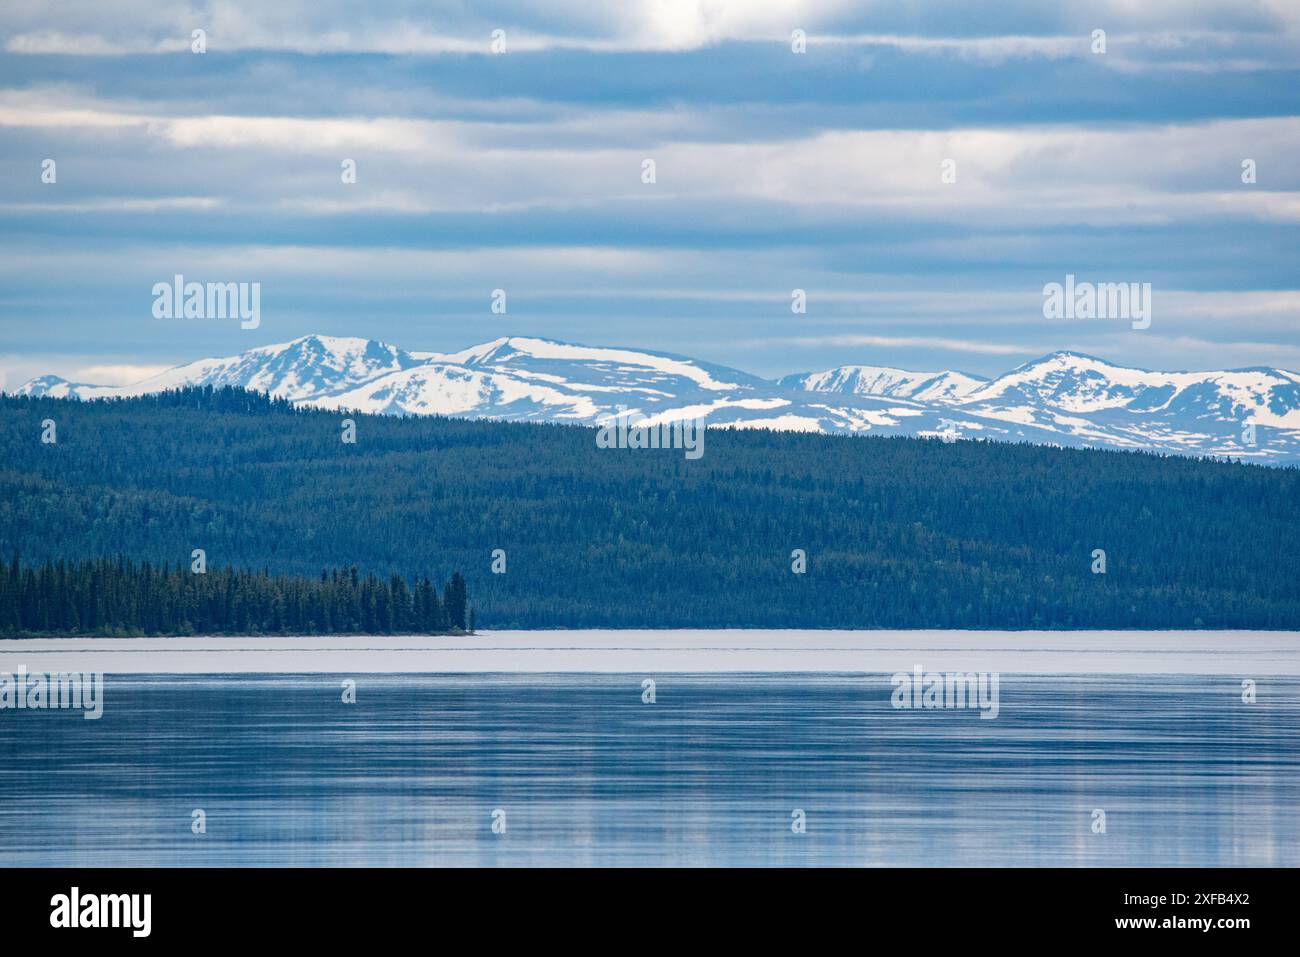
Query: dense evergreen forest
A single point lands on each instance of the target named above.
(125, 598)
(898, 533)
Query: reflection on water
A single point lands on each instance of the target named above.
(708, 774)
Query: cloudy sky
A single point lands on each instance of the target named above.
(774, 170)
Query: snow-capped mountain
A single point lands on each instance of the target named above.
(1062, 399)
(1090, 402)
(297, 370)
(1076, 383)
(883, 380)
(294, 370)
(1200, 413)
(522, 378)
(58, 387)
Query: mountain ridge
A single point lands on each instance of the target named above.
(1063, 398)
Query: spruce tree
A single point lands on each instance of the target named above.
(454, 601)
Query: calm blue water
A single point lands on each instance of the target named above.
(587, 774)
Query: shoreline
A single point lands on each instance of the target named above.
(1248, 654)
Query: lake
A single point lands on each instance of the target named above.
(714, 771)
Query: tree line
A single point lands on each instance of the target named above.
(897, 532)
(122, 597)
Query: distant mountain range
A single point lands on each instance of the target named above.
(1064, 398)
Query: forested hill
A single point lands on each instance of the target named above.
(899, 533)
(120, 597)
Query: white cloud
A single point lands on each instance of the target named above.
(115, 374)
(17, 369)
(927, 342)
(295, 134)
(109, 205)
(86, 27)
(1030, 174)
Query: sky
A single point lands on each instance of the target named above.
(919, 170)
